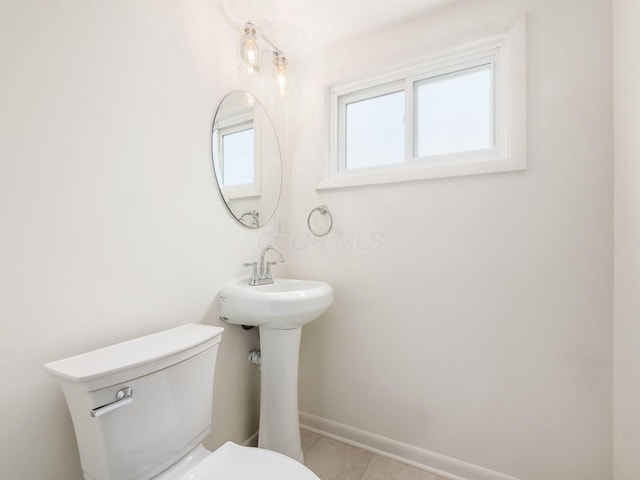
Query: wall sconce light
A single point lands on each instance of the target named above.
(280, 64)
(251, 59)
(249, 52)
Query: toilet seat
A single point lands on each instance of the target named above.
(234, 462)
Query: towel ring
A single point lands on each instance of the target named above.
(324, 211)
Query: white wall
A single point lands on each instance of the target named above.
(626, 393)
(472, 316)
(111, 225)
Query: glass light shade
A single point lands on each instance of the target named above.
(281, 76)
(249, 51)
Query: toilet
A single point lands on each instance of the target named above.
(142, 408)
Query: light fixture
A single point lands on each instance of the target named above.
(251, 59)
(249, 53)
(280, 63)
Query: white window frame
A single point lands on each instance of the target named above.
(231, 125)
(506, 53)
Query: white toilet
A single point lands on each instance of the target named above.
(141, 409)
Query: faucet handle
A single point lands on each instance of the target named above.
(254, 271)
(268, 272)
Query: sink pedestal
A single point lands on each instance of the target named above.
(279, 425)
(280, 309)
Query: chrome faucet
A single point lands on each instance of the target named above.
(261, 272)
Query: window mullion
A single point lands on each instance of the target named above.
(342, 135)
(409, 121)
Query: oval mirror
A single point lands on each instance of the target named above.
(246, 159)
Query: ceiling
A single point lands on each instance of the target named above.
(299, 26)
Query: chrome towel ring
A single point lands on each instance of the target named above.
(324, 211)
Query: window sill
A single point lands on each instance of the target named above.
(412, 173)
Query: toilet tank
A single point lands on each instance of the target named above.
(170, 375)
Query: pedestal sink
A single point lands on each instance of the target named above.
(280, 309)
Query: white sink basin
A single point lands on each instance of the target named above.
(282, 305)
(280, 309)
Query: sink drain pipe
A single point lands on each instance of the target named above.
(255, 357)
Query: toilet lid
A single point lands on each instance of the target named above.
(233, 462)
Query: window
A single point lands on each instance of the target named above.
(236, 141)
(453, 113)
(374, 131)
(460, 113)
(236, 154)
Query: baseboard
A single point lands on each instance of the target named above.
(427, 460)
(252, 441)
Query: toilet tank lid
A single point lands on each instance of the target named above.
(142, 355)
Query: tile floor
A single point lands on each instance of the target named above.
(332, 460)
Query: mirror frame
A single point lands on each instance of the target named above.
(262, 221)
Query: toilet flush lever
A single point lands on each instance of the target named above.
(124, 396)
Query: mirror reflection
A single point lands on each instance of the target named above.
(246, 159)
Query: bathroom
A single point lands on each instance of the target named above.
(484, 326)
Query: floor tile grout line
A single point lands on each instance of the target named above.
(367, 467)
(314, 442)
(316, 437)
